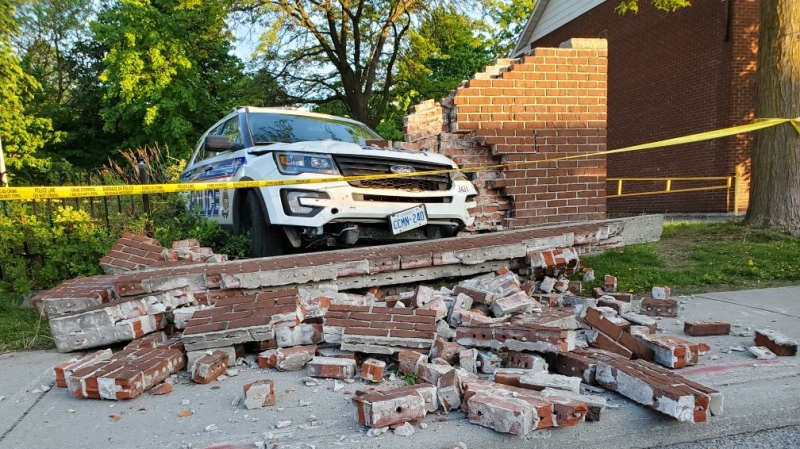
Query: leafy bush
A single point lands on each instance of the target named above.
(69, 246)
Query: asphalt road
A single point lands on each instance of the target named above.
(759, 395)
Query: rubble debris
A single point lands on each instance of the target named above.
(610, 283)
(540, 381)
(75, 295)
(776, 342)
(671, 351)
(161, 389)
(502, 414)
(525, 360)
(705, 328)
(762, 353)
(258, 394)
(517, 338)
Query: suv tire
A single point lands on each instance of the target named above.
(265, 240)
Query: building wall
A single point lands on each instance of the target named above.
(527, 112)
(673, 74)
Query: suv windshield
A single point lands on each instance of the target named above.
(285, 128)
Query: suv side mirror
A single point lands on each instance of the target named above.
(218, 143)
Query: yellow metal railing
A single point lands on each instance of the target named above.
(732, 182)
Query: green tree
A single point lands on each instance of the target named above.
(509, 18)
(445, 49)
(52, 44)
(343, 51)
(775, 168)
(21, 131)
(169, 71)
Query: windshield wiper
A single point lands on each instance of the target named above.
(258, 151)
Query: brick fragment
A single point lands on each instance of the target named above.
(468, 360)
(460, 304)
(64, 370)
(525, 360)
(423, 295)
(372, 370)
(671, 351)
(209, 367)
(610, 283)
(332, 367)
(432, 372)
(502, 414)
(517, 302)
(445, 350)
(389, 408)
(660, 292)
(527, 337)
(704, 328)
(161, 389)
(287, 359)
(540, 381)
(609, 301)
(408, 361)
(659, 307)
(439, 306)
(448, 390)
(778, 343)
(478, 296)
(489, 361)
(259, 394)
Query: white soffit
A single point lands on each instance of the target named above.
(550, 15)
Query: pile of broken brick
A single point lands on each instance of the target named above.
(514, 355)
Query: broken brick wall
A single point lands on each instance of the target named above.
(546, 105)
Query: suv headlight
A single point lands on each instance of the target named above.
(296, 163)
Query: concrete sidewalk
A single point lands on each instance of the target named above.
(758, 395)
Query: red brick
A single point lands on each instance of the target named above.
(372, 370)
(209, 367)
(704, 328)
(659, 307)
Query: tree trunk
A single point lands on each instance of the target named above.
(775, 179)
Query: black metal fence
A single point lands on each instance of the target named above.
(108, 214)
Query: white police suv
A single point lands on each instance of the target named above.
(254, 143)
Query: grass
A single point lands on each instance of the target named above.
(703, 257)
(21, 329)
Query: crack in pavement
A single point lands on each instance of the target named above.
(763, 309)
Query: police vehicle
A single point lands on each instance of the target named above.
(283, 144)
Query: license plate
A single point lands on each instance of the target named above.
(408, 219)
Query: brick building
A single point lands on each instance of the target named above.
(521, 118)
(669, 75)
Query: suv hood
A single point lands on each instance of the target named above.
(346, 148)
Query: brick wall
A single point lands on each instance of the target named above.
(549, 104)
(672, 74)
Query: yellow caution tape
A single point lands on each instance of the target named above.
(58, 192)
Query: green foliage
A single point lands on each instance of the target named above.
(445, 49)
(71, 245)
(663, 5)
(169, 70)
(693, 257)
(22, 131)
(509, 18)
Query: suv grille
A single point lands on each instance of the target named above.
(364, 166)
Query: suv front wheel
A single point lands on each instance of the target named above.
(265, 239)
